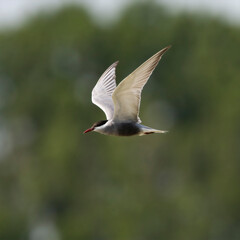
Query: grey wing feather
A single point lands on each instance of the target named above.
(127, 95)
(102, 92)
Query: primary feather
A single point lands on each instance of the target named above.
(127, 96)
(102, 92)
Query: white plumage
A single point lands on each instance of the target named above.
(121, 104)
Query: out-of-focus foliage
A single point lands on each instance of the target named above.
(56, 183)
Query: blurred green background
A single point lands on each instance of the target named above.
(56, 183)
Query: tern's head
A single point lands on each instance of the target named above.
(95, 125)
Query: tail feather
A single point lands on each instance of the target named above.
(160, 131)
(147, 130)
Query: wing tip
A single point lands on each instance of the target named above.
(161, 52)
(115, 63)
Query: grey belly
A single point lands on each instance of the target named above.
(123, 129)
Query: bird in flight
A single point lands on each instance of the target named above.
(121, 103)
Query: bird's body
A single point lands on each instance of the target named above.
(125, 129)
(121, 104)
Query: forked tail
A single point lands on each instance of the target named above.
(147, 130)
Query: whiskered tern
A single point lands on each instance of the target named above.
(121, 103)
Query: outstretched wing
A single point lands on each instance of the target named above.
(102, 92)
(127, 95)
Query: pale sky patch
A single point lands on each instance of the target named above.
(15, 12)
